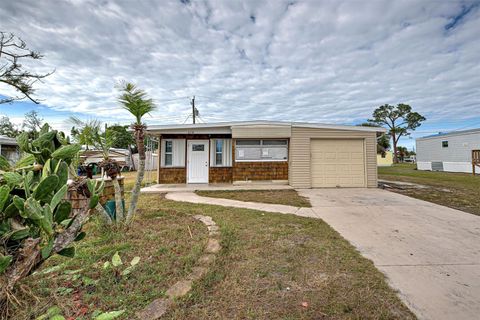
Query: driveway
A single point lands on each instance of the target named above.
(430, 253)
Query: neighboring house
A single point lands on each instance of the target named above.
(448, 151)
(304, 155)
(9, 149)
(122, 156)
(385, 159)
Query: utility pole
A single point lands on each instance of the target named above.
(193, 109)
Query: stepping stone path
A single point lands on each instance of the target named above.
(160, 306)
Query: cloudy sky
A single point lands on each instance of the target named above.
(319, 61)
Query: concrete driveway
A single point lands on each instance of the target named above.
(430, 253)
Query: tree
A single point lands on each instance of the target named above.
(85, 132)
(383, 140)
(7, 128)
(13, 51)
(402, 152)
(32, 123)
(122, 137)
(400, 120)
(136, 102)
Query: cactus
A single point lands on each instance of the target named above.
(35, 219)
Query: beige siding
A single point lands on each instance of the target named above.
(299, 153)
(261, 131)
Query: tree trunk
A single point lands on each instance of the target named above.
(395, 158)
(139, 137)
(118, 201)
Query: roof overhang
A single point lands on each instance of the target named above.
(226, 127)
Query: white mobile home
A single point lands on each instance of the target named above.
(448, 151)
(9, 149)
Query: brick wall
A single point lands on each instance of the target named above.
(79, 202)
(172, 175)
(277, 170)
(220, 175)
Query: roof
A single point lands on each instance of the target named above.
(451, 133)
(228, 125)
(8, 140)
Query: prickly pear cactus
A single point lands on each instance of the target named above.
(35, 218)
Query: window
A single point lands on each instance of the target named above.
(261, 150)
(221, 152)
(173, 153)
(218, 152)
(445, 144)
(168, 152)
(198, 147)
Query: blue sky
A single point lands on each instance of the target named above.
(319, 61)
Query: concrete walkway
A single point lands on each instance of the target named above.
(429, 253)
(194, 198)
(162, 188)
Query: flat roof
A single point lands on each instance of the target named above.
(451, 133)
(8, 140)
(152, 128)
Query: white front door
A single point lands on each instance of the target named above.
(197, 161)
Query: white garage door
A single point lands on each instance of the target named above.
(337, 163)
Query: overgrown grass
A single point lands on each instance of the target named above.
(285, 197)
(456, 190)
(81, 285)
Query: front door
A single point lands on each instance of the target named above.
(197, 161)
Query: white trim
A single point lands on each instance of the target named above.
(225, 127)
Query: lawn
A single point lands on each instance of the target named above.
(272, 266)
(456, 190)
(286, 197)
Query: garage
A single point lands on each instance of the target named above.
(337, 163)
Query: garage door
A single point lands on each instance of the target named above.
(337, 163)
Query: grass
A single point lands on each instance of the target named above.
(269, 266)
(81, 286)
(456, 190)
(285, 197)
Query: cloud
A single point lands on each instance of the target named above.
(329, 61)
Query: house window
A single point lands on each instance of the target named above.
(168, 152)
(173, 153)
(198, 147)
(221, 152)
(445, 144)
(218, 152)
(261, 150)
(384, 155)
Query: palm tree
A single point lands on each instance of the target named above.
(136, 102)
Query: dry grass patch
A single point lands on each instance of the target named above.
(287, 197)
(455, 190)
(81, 285)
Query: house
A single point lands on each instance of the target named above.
(448, 151)
(93, 156)
(9, 149)
(385, 159)
(304, 155)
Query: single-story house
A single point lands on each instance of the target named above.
(448, 151)
(303, 155)
(9, 149)
(385, 159)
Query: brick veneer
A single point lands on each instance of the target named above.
(220, 175)
(240, 171)
(172, 175)
(277, 170)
